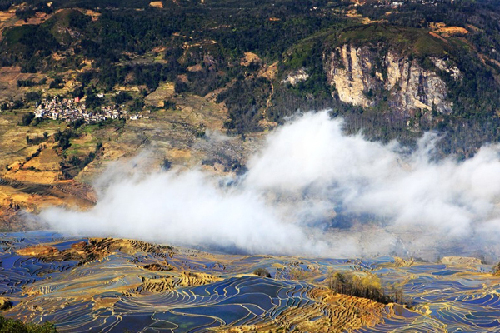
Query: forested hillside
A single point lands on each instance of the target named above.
(266, 60)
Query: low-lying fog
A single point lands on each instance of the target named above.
(310, 191)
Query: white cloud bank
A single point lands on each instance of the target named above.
(310, 191)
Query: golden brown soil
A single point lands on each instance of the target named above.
(43, 169)
(23, 195)
(185, 279)
(353, 13)
(94, 249)
(95, 15)
(195, 68)
(5, 16)
(433, 34)
(38, 251)
(451, 31)
(157, 4)
(164, 92)
(269, 72)
(249, 58)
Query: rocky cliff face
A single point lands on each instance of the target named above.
(367, 76)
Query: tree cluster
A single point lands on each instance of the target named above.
(368, 286)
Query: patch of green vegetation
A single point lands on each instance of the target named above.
(27, 46)
(300, 55)
(15, 35)
(404, 40)
(90, 128)
(8, 325)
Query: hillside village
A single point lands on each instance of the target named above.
(69, 110)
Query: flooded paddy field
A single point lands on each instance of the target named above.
(114, 285)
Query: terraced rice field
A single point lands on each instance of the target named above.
(118, 285)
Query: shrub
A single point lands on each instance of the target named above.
(33, 96)
(262, 272)
(496, 269)
(26, 119)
